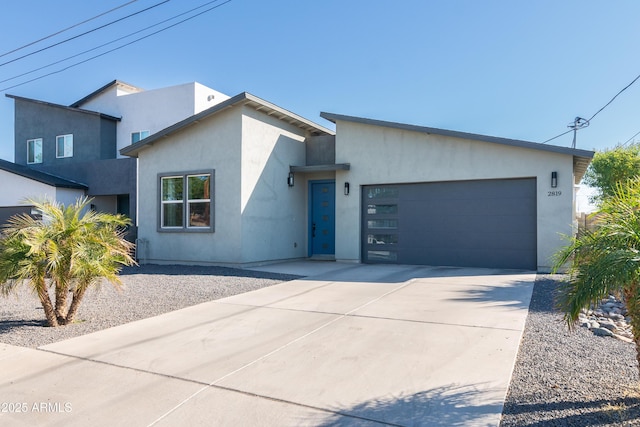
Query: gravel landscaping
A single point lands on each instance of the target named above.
(561, 377)
(148, 291)
(570, 378)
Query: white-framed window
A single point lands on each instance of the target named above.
(186, 201)
(34, 151)
(64, 146)
(137, 136)
(172, 201)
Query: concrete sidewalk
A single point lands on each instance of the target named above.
(351, 345)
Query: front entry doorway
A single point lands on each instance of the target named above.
(322, 223)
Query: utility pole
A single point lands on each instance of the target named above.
(578, 123)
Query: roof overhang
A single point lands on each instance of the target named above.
(243, 99)
(580, 165)
(125, 86)
(285, 115)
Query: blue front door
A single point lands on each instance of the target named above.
(323, 217)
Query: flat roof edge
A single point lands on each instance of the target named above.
(320, 168)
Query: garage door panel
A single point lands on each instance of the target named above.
(498, 224)
(512, 241)
(467, 258)
(486, 241)
(442, 227)
(468, 190)
(515, 206)
(489, 223)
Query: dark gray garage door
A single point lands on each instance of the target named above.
(489, 223)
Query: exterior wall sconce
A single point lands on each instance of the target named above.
(346, 188)
(290, 179)
(554, 179)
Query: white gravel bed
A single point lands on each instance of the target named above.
(148, 290)
(570, 378)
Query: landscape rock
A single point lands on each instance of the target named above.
(610, 326)
(608, 319)
(569, 379)
(602, 332)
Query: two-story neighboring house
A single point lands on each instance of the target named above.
(80, 143)
(145, 112)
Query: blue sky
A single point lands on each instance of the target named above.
(514, 69)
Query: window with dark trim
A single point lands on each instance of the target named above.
(186, 201)
(34, 151)
(64, 146)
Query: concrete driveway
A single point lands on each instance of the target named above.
(349, 345)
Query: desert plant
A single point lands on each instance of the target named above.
(606, 260)
(69, 249)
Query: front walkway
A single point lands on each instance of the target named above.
(355, 344)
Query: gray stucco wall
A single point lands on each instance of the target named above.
(94, 161)
(94, 137)
(384, 155)
(321, 150)
(258, 217)
(103, 177)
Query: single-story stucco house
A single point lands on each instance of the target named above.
(247, 182)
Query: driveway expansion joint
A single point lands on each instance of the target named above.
(208, 385)
(114, 365)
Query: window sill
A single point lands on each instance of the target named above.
(185, 230)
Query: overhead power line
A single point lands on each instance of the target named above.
(119, 47)
(107, 43)
(600, 110)
(616, 95)
(83, 34)
(67, 29)
(630, 139)
(557, 136)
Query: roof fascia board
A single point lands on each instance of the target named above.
(455, 134)
(39, 176)
(64, 107)
(288, 113)
(240, 99)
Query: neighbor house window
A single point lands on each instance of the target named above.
(34, 151)
(64, 146)
(186, 201)
(137, 136)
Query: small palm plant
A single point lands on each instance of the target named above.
(606, 260)
(69, 249)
